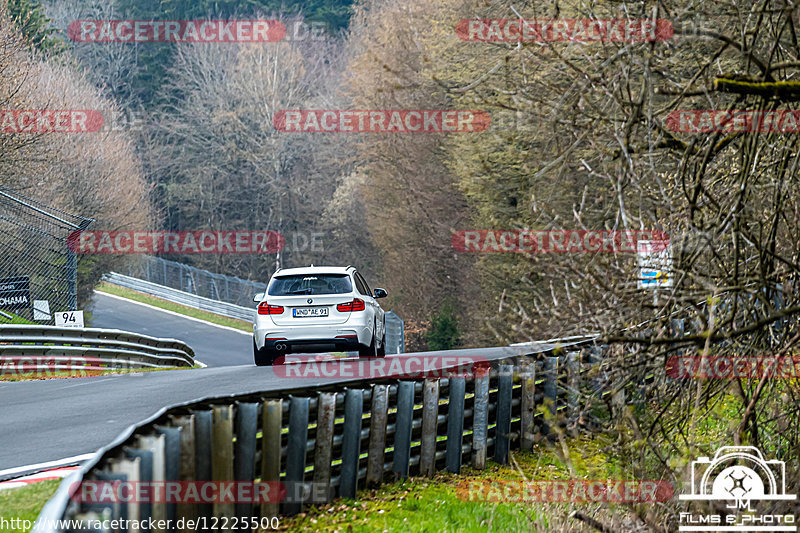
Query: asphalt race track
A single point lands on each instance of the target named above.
(58, 418)
(214, 346)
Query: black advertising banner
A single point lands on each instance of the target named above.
(15, 292)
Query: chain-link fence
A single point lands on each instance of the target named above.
(38, 272)
(197, 281)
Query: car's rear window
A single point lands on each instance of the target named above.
(310, 284)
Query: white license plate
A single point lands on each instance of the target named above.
(304, 312)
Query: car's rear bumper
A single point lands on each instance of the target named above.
(310, 339)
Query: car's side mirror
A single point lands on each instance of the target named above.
(258, 297)
(381, 293)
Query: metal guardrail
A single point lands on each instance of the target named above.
(186, 278)
(184, 298)
(329, 442)
(395, 333)
(36, 348)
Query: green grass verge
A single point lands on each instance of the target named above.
(177, 308)
(32, 375)
(440, 504)
(14, 319)
(24, 503)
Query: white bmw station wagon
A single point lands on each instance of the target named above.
(317, 309)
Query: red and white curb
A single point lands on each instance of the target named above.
(54, 473)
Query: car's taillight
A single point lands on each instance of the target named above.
(266, 309)
(355, 305)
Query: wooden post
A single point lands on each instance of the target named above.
(145, 459)
(186, 468)
(351, 442)
(222, 452)
(326, 418)
(202, 442)
(130, 468)
(296, 454)
(377, 435)
(550, 393)
(272, 415)
(573, 390)
(480, 419)
(528, 405)
(455, 424)
(430, 427)
(172, 461)
(402, 432)
(502, 438)
(244, 456)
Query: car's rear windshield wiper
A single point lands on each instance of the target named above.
(300, 291)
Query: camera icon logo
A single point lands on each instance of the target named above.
(739, 474)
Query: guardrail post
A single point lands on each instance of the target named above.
(131, 469)
(430, 427)
(296, 454)
(402, 432)
(573, 379)
(145, 459)
(351, 442)
(528, 405)
(377, 434)
(480, 418)
(172, 457)
(222, 449)
(550, 393)
(186, 468)
(272, 414)
(323, 449)
(155, 443)
(455, 424)
(244, 454)
(202, 443)
(502, 438)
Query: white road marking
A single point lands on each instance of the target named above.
(206, 322)
(49, 464)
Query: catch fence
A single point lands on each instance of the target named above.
(36, 264)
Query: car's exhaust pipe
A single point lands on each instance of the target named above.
(280, 347)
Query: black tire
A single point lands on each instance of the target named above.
(263, 357)
(381, 352)
(368, 351)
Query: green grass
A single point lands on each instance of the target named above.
(440, 504)
(25, 502)
(177, 308)
(15, 319)
(44, 374)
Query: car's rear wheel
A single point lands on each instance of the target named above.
(381, 352)
(368, 351)
(264, 356)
